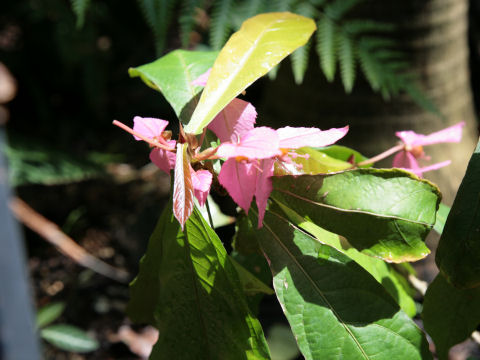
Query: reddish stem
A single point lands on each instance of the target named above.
(382, 156)
(152, 142)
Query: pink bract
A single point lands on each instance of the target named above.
(148, 127)
(239, 178)
(201, 181)
(294, 138)
(450, 134)
(164, 160)
(202, 79)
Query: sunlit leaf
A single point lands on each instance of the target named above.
(188, 288)
(441, 219)
(69, 338)
(183, 200)
(381, 271)
(382, 213)
(458, 253)
(335, 308)
(260, 44)
(173, 74)
(449, 314)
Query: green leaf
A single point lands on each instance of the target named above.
(343, 153)
(250, 283)
(260, 44)
(381, 271)
(458, 253)
(334, 307)
(69, 338)
(189, 289)
(173, 74)
(311, 161)
(382, 213)
(450, 315)
(441, 218)
(49, 313)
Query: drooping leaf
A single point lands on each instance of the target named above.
(188, 288)
(69, 338)
(310, 161)
(49, 313)
(343, 153)
(382, 213)
(441, 218)
(381, 271)
(333, 306)
(260, 44)
(183, 194)
(173, 74)
(458, 253)
(450, 315)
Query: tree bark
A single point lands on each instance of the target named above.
(434, 35)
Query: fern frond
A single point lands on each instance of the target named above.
(272, 74)
(157, 14)
(326, 35)
(187, 19)
(338, 8)
(80, 8)
(346, 57)
(364, 26)
(219, 23)
(279, 5)
(244, 9)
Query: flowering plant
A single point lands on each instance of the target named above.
(328, 226)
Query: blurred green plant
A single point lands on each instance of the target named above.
(63, 336)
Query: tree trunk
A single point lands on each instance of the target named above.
(434, 34)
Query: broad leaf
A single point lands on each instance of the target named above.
(260, 44)
(69, 338)
(343, 153)
(381, 271)
(173, 74)
(183, 200)
(449, 314)
(382, 213)
(458, 253)
(188, 288)
(334, 307)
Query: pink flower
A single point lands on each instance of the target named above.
(250, 160)
(153, 129)
(413, 148)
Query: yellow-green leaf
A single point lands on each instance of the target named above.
(260, 44)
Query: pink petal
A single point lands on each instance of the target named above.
(148, 127)
(235, 120)
(263, 187)
(201, 180)
(436, 166)
(258, 143)
(239, 179)
(202, 79)
(450, 134)
(294, 138)
(165, 160)
(405, 160)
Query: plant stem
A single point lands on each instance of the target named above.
(382, 156)
(144, 138)
(209, 213)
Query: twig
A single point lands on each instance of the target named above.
(66, 245)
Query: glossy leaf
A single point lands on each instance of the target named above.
(69, 338)
(381, 271)
(335, 309)
(450, 315)
(189, 289)
(49, 313)
(382, 213)
(173, 74)
(260, 44)
(250, 283)
(458, 253)
(183, 200)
